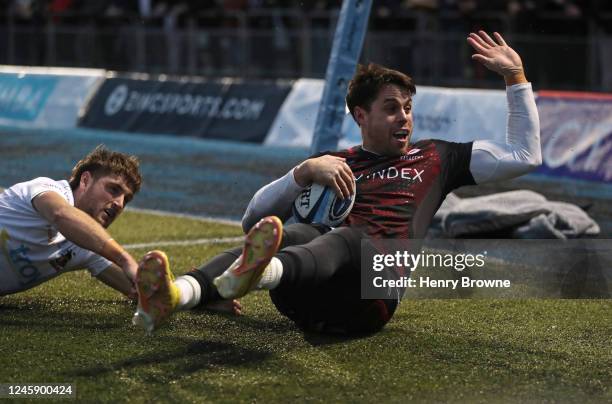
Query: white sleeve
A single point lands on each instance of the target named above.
(93, 262)
(42, 184)
(521, 152)
(275, 198)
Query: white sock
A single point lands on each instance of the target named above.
(190, 292)
(272, 275)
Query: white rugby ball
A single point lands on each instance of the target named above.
(319, 204)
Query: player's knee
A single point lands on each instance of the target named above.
(351, 236)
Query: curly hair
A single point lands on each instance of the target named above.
(102, 161)
(367, 82)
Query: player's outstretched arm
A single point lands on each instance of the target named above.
(521, 152)
(114, 277)
(273, 199)
(277, 197)
(80, 228)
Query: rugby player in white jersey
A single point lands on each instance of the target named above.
(49, 227)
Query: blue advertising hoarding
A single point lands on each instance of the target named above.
(241, 111)
(23, 97)
(576, 130)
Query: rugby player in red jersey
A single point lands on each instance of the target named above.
(313, 272)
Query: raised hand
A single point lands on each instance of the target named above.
(327, 170)
(497, 56)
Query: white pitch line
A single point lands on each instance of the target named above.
(162, 213)
(198, 241)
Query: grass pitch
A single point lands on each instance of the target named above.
(75, 330)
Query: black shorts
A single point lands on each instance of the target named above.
(335, 309)
(333, 306)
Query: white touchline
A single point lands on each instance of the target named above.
(207, 219)
(197, 241)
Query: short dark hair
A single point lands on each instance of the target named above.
(102, 161)
(367, 82)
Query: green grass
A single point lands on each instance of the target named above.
(75, 330)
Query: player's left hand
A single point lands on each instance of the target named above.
(496, 55)
(130, 267)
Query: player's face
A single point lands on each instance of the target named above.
(386, 128)
(103, 198)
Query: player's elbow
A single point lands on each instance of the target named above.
(534, 161)
(537, 162)
(528, 160)
(246, 226)
(527, 166)
(248, 220)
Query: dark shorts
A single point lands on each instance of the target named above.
(335, 309)
(334, 306)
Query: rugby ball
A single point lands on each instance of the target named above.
(319, 204)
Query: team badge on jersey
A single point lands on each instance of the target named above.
(60, 262)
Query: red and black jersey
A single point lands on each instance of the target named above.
(398, 196)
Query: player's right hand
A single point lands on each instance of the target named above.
(327, 170)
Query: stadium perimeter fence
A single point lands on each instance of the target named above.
(293, 44)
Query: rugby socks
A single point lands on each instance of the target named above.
(272, 275)
(190, 292)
